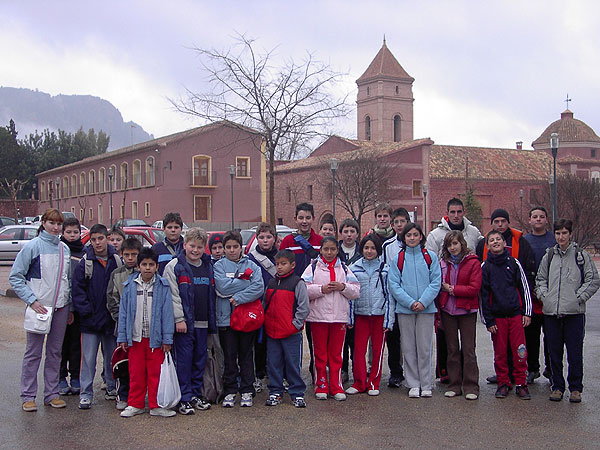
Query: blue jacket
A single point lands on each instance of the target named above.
(229, 285)
(255, 256)
(374, 296)
(166, 252)
(162, 324)
(89, 295)
(416, 282)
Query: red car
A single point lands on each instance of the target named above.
(146, 235)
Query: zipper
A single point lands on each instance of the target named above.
(559, 282)
(416, 276)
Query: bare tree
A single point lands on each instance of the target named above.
(83, 202)
(289, 104)
(12, 189)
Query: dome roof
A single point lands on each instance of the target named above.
(569, 130)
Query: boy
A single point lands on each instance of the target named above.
(215, 247)
(131, 248)
(90, 283)
(192, 283)
(349, 243)
(327, 226)
(238, 281)
(383, 229)
(286, 308)
(116, 236)
(145, 325)
(566, 280)
(173, 243)
(393, 245)
(506, 309)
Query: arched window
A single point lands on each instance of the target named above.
(65, 187)
(124, 170)
(74, 185)
(137, 173)
(368, 128)
(397, 90)
(82, 183)
(202, 166)
(43, 190)
(102, 180)
(368, 91)
(397, 125)
(92, 182)
(595, 176)
(150, 171)
(113, 168)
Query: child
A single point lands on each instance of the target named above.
(393, 245)
(330, 287)
(506, 309)
(116, 236)
(145, 325)
(383, 228)
(327, 226)
(286, 308)
(349, 243)
(71, 349)
(370, 315)
(131, 248)
(173, 243)
(414, 283)
(215, 246)
(238, 281)
(459, 302)
(192, 284)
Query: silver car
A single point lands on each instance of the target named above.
(13, 238)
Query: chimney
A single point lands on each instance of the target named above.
(519, 145)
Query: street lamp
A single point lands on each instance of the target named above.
(333, 164)
(57, 183)
(111, 174)
(231, 174)
(33, 191)
(425, 189)
(521, 198)
(554, 146)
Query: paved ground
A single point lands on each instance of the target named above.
(391, 420)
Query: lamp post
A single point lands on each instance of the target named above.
(57, 184)
(425, 189)
(333, 164)
(111, 174)
(554, 146)
(33, 191)
(521, 198)
(51, 192)
(231, 174)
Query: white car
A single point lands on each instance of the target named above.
(249, 237)
(13, 238)
(159, 224)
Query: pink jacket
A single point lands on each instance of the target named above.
(333, 307)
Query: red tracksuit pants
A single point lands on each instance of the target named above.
(366, 327)
(510, 329)
(328, 347)
(144, 373)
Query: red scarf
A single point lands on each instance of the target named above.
(331, 267)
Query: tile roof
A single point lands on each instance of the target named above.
(449, 161)
(568, 129)
(577, 159)
(385, 64)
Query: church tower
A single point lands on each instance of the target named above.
(385, 100)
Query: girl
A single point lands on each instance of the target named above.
(370, 315)
(414, 283)
(45, 262)
(459, 302)
(330, 285)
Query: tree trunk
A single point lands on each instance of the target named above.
(272, 187)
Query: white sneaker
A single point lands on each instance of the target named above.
(162, 412)
(120, 405)
(246, 400)
(131, 411)
(229, 401)
(413, 393)
(426, 393)
(471, 396)
(450, 394)
(321, 396)
(351, 390)
(340, 396)
(373, 392)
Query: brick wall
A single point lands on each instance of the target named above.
(26, 208)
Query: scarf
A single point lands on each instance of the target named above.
(331, 267)
(75, 247)
(269, 254)
(385, 232)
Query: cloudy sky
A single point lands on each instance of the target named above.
(486, 73)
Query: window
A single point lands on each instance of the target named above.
(134, 209)
(91, 214)
(114, 177)
(65, 187)
(397, 90)
(147, 209)
(593, 152)
(368, 128)
(417, 188)
(368, 91)
(150, 171)
(288, 192)
(81, 215)
(100, 215)
(92, 182)
(397, 124)
(137, 173)
(310, 192)
(201, 170)
(122, 211)
(102, 180)
(73, 210)
(242, 165)
(124, 173)
(12, 234)
(43, 190)
(29, 233)
(57, 188)
(595, 176)
(201, 207)
(82, 181)
(73, 185)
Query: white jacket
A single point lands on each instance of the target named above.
(435, 239)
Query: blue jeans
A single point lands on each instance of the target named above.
(285, 356)
(89, 352)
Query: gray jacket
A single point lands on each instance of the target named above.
(560, 289)
(435, 239)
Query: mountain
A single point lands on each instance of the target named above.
(35, 110)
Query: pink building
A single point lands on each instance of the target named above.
(187, 172)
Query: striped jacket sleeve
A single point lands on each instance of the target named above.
(523, 287)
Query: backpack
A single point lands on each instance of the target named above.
(264, 262)
(89, 265)
(401, 256)
(579, 259)
(212, 386)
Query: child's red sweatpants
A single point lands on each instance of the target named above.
(366, 327)
(328, 345)
(510, 329)
(144, 373)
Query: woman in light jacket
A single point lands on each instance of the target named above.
(330, 286)
(42, 280)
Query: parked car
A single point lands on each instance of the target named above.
(249, 236)
(148, 236)
(131, 223)
(13, 238)
(27, 220)
(66, 214)
(4, 221)
(159, 224)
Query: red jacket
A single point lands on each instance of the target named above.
(468, 282)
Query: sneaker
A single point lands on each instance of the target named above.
(556, 395)
(352, 390)
(413, 393)
(532, 376)
(575, 397)
(258, 385)
(373, 392)
(395, 382)
(29, 406)
(246, 400)
(75, 386)
(450, 394)
(162, 412)
(228, 401)
(340, 396)
(502, 391)
(111, 394)
(85, 403)
(492, 379)
(273, 400)
(56, 403)
(200, 404)
(321, 396)
(63, 387)
(299, 402)
(471, 396)
(120, 405)
(185, 408)
(131, 411)
(426, 393)
(522, 392)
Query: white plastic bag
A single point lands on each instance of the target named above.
(38, 323)
(168, 395)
